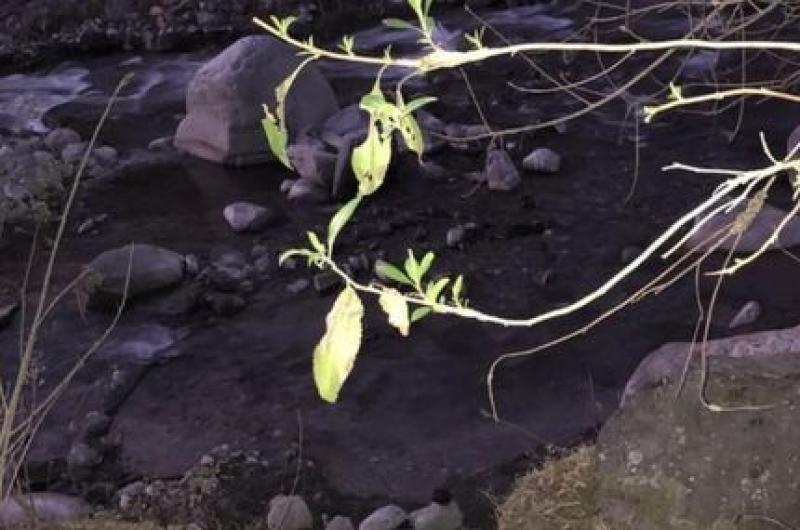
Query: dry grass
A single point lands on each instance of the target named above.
(99, 523)
(559, 496)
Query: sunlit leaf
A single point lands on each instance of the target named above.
(340, 219)
(336, 353)
(397, 23)
(416, 104)
(387, 270)
(412, 267)
(435, 289)
(277, 138)
(370, 161)
(396, 308)
(412, 134)
(425, 264)
(316, 244)
(420, 313)
(458, 287)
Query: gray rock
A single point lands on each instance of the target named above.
(286, 185)
(389, 517)
(455, 236)
(7, 313)
(105, 155)
(500, 172)
(161, 144)
(747, 315)
(83, 457)
(57, 139)
(437, 516)
(94, 425)
(307, 192)
(73, 153)
(151, 268)
(326, 281)
(225, 98)
(542, 160)
(289, 513)
(340, 523)
(669, 462)
(455, 131)
(298, 286)
(248, 217)
(754, 237)
(313, 162)
(43, 506)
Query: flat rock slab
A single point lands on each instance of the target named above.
(670, 463)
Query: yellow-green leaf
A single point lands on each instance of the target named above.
(370, 161)
(412, 135)
(396, 309)
(336, 352)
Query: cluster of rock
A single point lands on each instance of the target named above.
(225, 110)
(228, 486)
(35, 171)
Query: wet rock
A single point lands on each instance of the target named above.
(454, 132)
(248, 217)
(389, 517)
(701, 65)
(46, 507)
(747, 315)
(151, 268)
(289, 513)
(664, 458)
(82, 457)
(57, 139)
(500, 172)
(73, 153)
(105, 155)
(225, 98)
(94, 425)
(441, 514)
(141, 343)
(456, 236)
(764, 224)
(307, 192)
(313, 162)
(228, 272)
(7, 313)
(432, 131)
(286, 185)
(161, 144)
(225, 304)
(298, 286)
(340, 523)
(326, 281)
(542, 160)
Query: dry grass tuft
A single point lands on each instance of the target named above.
(558, 496)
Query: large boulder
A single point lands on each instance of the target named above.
(669, 461)
(225, 101)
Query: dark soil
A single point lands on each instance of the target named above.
(413, 415)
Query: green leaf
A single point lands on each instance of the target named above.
(412, 268)
(316, 244)
(370, 161)
(275, 125)
(277, 138)
(396, 308)
(420, 313)
(412, 135)
(416, 104)
(397, 23)
(340, 219)
(336, 352)
(294, 252)
(458, 287)
(387, 270)
(425, 264)
(435, 289)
